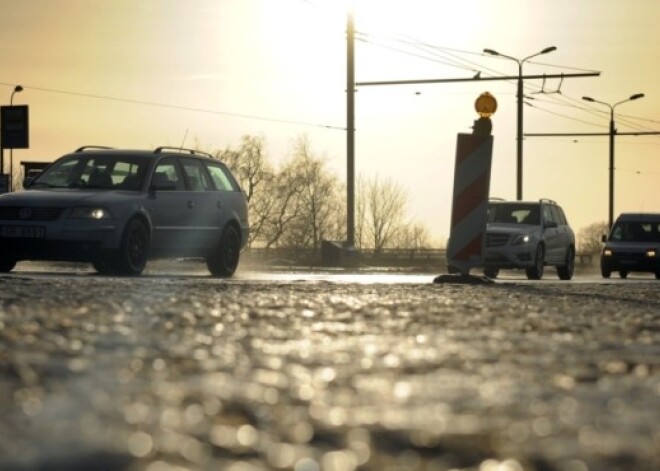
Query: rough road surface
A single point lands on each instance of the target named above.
(190, 373)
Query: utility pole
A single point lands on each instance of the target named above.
(350, 131)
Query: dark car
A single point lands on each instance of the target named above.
(118, 208)
(633, 245)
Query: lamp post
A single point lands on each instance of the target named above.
(636, 96)
(17, 89)
(519, 148)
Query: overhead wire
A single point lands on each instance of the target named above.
(176, 107)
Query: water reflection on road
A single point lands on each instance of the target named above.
(160, 269)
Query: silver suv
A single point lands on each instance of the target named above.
(118, 208)
(529, 236)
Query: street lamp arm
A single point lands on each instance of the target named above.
(636, 96)
(612, 133)
(591, 100)
(17, 89)
(544, 51)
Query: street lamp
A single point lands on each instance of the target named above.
(519, 148)
(17, 89)
(636, 96)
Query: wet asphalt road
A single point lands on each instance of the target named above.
(332, 372)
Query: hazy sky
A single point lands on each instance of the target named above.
(144, 73)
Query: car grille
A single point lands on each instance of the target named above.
(496, 240)
(21, 213)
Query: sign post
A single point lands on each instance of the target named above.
(14, 134)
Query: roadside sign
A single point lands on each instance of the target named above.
(14, 131)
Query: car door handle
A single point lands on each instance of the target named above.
(191, 204)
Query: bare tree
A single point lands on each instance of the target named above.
(384, 207)
(248, 163)
(17, 178)
(317, 201)
(413, 236)
(590, 238)
(284, 206)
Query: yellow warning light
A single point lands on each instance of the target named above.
(485, 105)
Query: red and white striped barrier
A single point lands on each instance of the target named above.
(470, 202)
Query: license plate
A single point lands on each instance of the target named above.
(24, 232)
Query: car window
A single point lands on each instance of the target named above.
(222, 180)
(547, 215)
(167, 173)
(634, 231)
(95, 171)
(60, 174)
(557, 215)
(562, 216)
(195, 175)
(514, 214)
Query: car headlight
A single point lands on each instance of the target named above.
(650, 253)
(521, 239)
(89, 213)
(607, 253)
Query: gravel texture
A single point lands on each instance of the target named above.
(164, 373)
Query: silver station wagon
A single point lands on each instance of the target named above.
(118, 208)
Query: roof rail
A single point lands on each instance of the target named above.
(84, 148)
(181, 150)
(547, 200)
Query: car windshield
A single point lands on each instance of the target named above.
(514, 214)
(636, 231)
(117, 172)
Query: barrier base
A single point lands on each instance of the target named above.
(460, 279)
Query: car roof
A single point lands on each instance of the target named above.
(157, 152)
(648, 217)
(521, 203)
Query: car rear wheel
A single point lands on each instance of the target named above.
(565, 272)
(133, 251)
(623, 274)
(536, 272)
(224, 260)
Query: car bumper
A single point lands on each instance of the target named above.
(73, 240)
(509, 257)
(630, 262)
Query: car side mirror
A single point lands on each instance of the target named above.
(603, 238)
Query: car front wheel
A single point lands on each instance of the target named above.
(565, 272)
(623, 274)
(536, 272)
(133, 251)
(224, 260)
